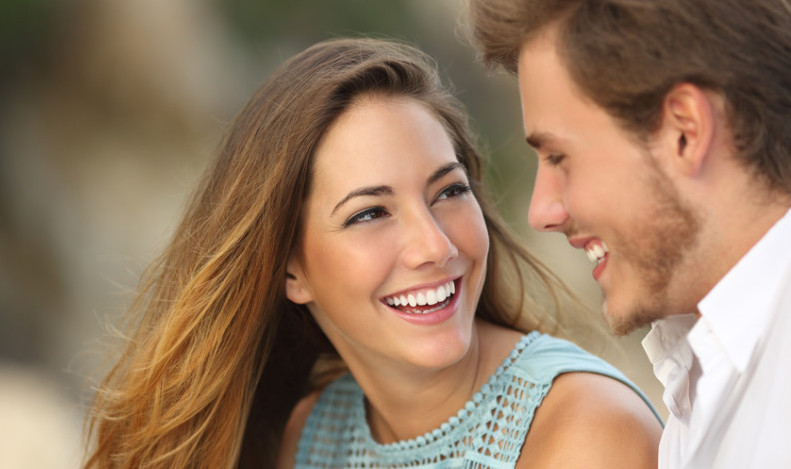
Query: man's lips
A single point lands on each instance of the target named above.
(595, 249)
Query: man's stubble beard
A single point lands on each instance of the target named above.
(657, 248)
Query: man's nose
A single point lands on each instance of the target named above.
(547, 208)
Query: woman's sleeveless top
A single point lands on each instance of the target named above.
(487, 433)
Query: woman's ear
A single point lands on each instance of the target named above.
(297, 289)
(688, 126)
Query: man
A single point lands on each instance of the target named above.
(663, 132)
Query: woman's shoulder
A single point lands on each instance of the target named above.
(591, 416)
(320, 409)
(592, 420)
(291, 435)
(546, 357)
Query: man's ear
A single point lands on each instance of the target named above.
(687, 130)
(297, 289)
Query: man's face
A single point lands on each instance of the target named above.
(606, 192)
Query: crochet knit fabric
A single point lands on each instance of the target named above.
(488, 433)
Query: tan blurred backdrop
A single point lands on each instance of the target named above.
(109, 110)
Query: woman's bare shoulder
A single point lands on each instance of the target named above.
(296, 422)
(593, 421)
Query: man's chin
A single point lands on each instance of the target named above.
(622, 323)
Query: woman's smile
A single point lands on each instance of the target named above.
(394, 240)
(423, 300)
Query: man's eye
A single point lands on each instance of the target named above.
(366, 215)
(555, 159)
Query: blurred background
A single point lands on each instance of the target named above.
(110, 110)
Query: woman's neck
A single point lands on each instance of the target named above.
(405, 403)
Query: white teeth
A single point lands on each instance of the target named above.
(431, 297)
(596, 252)
(599, 251)
(423, 298)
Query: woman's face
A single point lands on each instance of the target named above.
(394, 245)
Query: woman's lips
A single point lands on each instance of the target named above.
(424, 300)
(426, 314)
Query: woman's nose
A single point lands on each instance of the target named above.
(428, 242)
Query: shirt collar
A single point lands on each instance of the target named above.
(665, 338)
(671, 357)
(738, 309)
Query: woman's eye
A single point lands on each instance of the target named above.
(454, 190)
(366, 215)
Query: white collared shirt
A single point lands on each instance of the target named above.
(727, 375)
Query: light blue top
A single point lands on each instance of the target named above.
(487, 433)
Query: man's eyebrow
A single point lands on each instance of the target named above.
(363, 191)
(539, 139)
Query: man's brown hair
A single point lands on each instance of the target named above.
(625, 55)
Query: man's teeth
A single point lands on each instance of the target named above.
(596, 252)
(423, 298)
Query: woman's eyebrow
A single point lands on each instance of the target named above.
(387, 190)
(363, 191)
(445, 170)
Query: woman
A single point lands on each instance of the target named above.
(344, 227)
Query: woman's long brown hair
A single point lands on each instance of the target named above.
(217, 356)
